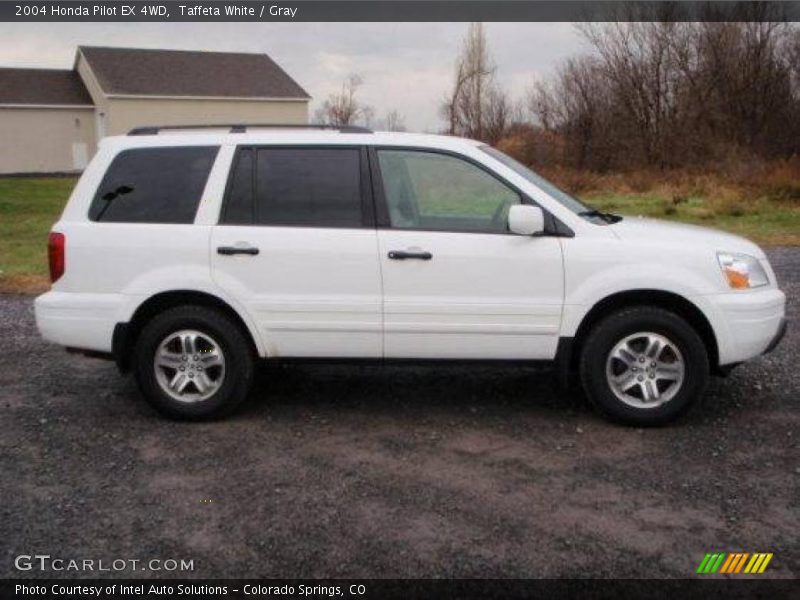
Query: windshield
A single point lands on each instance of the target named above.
(540, 182)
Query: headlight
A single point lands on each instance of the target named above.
(742, 271)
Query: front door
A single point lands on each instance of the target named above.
(456, 282)
(297, 247)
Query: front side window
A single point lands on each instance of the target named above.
(439, 192)
(562, 197)
(153, 185)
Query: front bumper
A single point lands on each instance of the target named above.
(746, 324)
(778, 336)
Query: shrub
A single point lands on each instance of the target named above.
(726, 201)
(782, 183)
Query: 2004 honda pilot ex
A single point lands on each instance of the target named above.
(188, 254)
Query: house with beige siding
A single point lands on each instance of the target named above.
(52, 120)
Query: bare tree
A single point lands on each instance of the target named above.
(792, 49)
(576, 104)
(474, 88)
(393, 121)
(665, 93)
(497, 115)
(638, 61)
(343, 108)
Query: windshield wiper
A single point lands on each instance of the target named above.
(607, 217)
(110, 196)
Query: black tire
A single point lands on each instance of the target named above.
(232, 343)
(626, 322)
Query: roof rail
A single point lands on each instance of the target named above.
(242, 128)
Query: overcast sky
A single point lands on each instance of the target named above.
(405, 66)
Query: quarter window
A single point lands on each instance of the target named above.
(439, 192)
(153, 185)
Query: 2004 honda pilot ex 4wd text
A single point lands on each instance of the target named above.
(187, 254)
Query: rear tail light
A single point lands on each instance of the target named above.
(56, 249)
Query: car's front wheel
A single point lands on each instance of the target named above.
(643, 365)
(193, 362)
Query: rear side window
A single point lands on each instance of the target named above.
(305, 187)
(153, 185)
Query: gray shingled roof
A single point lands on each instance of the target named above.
(180, 73)
(42, 86)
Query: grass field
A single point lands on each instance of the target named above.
(767, 222)
(29, 207)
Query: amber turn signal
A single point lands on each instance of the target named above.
(737, 279)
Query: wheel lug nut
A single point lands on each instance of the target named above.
(196, 357)
(653, 365)
(652, 375)
(183, 368)
(184, 357)
(191, 375)
(641, 359)
(640, 378)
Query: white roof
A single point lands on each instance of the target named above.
(289, 136)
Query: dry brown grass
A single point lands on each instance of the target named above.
(729, 186)
(24, 284)
(758, 200)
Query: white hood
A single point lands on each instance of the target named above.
(640, 228)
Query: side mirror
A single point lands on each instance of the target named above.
(524, 219)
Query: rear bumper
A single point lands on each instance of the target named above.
(81, 321)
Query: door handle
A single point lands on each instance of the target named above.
(405, 254)
(231, 250)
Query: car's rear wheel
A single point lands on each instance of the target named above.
(643, 365)
(193, 362)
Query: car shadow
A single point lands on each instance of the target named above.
(387, 388)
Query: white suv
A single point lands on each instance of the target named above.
(187, 254)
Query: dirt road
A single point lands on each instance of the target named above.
(394, 472)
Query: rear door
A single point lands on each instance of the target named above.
(297, 246)
(456, 282)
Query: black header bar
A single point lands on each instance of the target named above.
(392, 11)
(393, 589)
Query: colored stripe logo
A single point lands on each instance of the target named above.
(734, 563)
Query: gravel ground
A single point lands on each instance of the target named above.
(395, 471)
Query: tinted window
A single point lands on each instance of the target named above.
(239, 203)
(311, 187)
(428, 190)
(153, 185)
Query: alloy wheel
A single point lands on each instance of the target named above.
(645, 370)
(189, 365)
